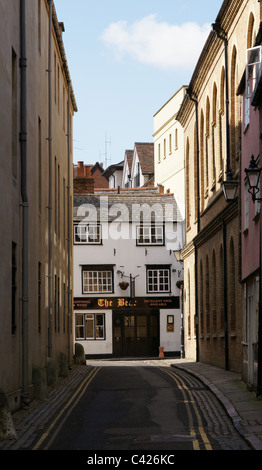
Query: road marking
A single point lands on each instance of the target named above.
(77, 395)
(185, 391)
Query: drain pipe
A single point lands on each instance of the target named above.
(189, 92)
(50, 254)
(69, 226)
(25, 204)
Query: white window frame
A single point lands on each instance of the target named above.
(253, 69)
(96, 326)
(247, 110)
(158, 280)
(150, 234)
(97, 281)
(88, 234)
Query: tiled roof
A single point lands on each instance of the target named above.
(129, 205)
(145, 152)
(129, 157)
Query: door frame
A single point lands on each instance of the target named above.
(119, 343)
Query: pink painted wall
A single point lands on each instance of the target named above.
(250, 237)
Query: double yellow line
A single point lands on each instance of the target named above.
(71, 403)
(189, 400)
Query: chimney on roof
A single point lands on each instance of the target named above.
(80, 169)
(83, 181)
(62, 26)
(160, 189)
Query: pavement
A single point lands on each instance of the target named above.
(241, 405)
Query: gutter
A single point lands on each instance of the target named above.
(69, 302)
(50, 228)
(25, 204)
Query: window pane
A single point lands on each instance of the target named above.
(97, 281)
(150, 234)
(79, 327)
(158, 280)
(99, 326)
(90, 326)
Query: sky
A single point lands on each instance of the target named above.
(126, 60)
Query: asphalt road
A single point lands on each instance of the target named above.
(147, 407)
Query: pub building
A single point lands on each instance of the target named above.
(127, 281)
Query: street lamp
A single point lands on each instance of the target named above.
(253, 177)
(230, 187)
(178, 255)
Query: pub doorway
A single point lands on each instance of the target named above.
(135, 334)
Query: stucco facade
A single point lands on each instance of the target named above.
(249, 91)
(169, 160)
(36, 255)
(118, 246)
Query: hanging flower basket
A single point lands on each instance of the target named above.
(180, 284)
(123, 285)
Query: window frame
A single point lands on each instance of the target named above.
(153, 227)
(95, 327)
(158, 269)
(85, 228)
(98, 269)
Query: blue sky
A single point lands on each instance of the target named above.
(126, 59)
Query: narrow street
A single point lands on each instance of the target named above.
(138, 406)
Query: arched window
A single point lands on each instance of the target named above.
(207, 144)
(207, 292)
(188, 305)
(250, 31)
(234, 113)
(202, 178)
(221, 123)
(214, 138)
(214, 293)
(196, 182)
(221, 288)
(187, 186)
(201, 300)
(232, 287)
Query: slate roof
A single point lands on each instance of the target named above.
(126, 205)
(145, 152)
(129, 156)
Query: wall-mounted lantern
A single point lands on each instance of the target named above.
(253, 177)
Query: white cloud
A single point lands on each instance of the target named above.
(159, 44)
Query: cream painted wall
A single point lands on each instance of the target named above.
(169, 149)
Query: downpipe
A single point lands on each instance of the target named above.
(25, 204)
(50, 222)
(69, 302)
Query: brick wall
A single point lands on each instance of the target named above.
(83, 185)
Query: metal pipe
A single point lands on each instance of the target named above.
(50, 254)
(189, 92)
(25, 204)
(69, 225)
